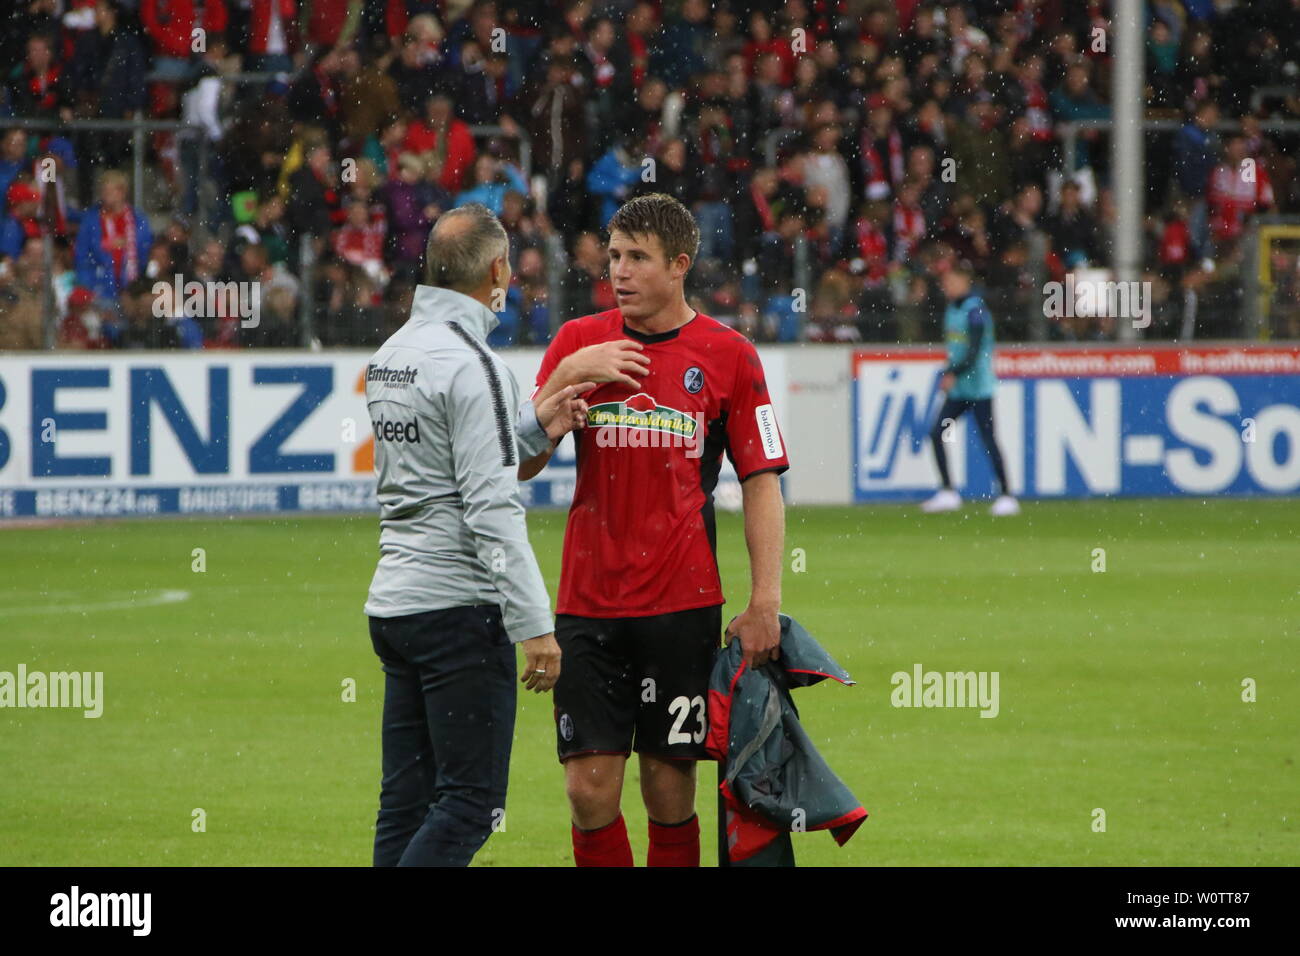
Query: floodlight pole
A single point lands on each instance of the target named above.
(1128, 169)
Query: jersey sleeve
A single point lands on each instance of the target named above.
(754, 442)
(564, 343)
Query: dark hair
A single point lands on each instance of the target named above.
(662, 216)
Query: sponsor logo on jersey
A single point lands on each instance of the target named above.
(641, 411)
(397, 377)
(387, 429)
(767, 432)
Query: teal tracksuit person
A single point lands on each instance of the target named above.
(968, 382)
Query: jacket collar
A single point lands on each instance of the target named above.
(435, 304)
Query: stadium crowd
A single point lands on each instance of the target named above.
(836, 155)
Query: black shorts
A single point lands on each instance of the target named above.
(636, 683)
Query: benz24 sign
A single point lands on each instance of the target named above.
(1076, 422)
(105, 434)
(217, 432)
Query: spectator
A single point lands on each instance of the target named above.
(360, 241)
(1073, 230)
(114, 240)
(411, 210)
(444, 142)
(883, 163)
(612, 179)
(143, 329)
(271, 36)
(416, 72)
(1195, 152)
(20, 223)
(38, 86)
(80, 327)
(679, 53)
(587, 284)
(1239, 188)
(979, 149)
(316, 96)
(13, 157)
(492, 178)
(1076, 100)
(826, 167)
(330, 24)
(555, 119)
(22, 305)
(369, 94)
(907, 222)
(1017, 219)
(170, 25)
(314, 202)
(108, 77)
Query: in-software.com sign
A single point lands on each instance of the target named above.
(1077, 422)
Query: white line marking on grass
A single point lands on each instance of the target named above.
(147, 600)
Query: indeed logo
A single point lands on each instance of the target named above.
(390, 376)
(399, 432)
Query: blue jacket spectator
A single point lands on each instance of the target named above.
(679, 53)
(1196, 153)
(610, 180)
(114, 241)
(489, 188)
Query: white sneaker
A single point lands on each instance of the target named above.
(945, 499)
(1005, 505)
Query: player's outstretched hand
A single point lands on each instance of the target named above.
(541, 663)
(564, 411)
(759, 632)
(614, 361)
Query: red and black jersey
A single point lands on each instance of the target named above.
(640, 538)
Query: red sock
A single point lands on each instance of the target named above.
(675, 845)
(607, 846)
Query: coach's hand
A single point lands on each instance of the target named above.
(607, 362)
(541, 663)
(759, 631)
(565, 411)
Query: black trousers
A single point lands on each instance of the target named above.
(982, 409)
(449, 718)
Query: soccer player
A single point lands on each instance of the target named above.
(640, 602)
(968, 383)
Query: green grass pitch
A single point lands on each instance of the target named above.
(1119, 690)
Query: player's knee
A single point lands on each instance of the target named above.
(668, 789)
(593, 795)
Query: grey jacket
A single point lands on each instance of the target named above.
(450, 432)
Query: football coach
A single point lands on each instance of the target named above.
(457, 585)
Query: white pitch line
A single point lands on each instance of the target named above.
(151, 600)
